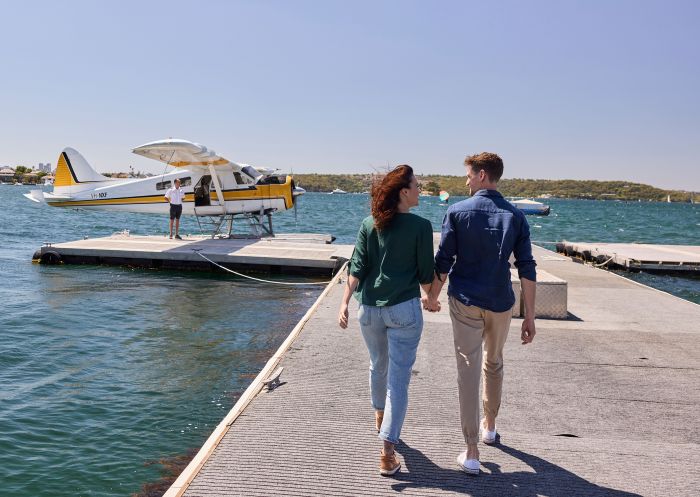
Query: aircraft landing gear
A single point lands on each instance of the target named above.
(221, 226)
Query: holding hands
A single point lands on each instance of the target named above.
(430, 304)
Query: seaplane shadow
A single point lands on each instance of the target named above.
(544, 479)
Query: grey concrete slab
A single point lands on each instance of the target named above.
(602, 404)
(295, 251)
(676, 258)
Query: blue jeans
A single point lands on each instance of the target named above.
(392, 334)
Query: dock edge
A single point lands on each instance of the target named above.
(185, 478)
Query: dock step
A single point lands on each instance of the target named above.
(551, 296)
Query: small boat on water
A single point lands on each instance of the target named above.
(531, 207)
(338, 191)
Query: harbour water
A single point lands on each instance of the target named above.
(104, 370)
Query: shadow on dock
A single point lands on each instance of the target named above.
(545, 479)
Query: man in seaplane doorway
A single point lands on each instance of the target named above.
(175, 196)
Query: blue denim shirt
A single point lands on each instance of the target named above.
(479, 235)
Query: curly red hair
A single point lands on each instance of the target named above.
(386, 192)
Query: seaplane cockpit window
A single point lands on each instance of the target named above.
(239, 178)
(163, 185)
(252, 172)
(186, 181)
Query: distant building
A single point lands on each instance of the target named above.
(30, 178)
(7, 174)
(46, 168)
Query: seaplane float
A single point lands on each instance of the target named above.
(216, 189)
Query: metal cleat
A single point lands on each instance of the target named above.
(273, 381)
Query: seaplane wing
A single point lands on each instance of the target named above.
(180, 153)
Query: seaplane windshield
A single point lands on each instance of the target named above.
(252, 172)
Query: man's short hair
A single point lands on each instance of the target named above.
(177, 180)
(488, 162)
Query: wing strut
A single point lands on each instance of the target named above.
(217, 187)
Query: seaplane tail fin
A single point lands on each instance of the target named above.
(73, 169)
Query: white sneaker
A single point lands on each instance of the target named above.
(469, 466)
(488, 437)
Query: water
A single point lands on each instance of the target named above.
(104, 369)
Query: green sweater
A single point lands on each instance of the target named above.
(390, 264)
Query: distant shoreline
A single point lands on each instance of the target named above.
(531, 188)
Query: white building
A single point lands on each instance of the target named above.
(7, 174)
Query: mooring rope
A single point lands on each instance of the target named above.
(258, 279)
(604, 263)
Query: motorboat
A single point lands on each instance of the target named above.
(531, 207)
(338, 191)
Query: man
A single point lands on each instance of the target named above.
(175, 196)
(479, 235)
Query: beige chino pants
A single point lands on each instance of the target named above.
(474, 327)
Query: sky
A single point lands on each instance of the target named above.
(560, 89)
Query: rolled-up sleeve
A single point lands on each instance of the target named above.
(445, 256)
(424, 254)
(358, 261)
(523, 253)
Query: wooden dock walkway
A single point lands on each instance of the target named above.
(637, 256)
(603, 403)
(284, 253)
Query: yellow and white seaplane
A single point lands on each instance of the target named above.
(215, 188)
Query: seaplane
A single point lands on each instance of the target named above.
(216, 189)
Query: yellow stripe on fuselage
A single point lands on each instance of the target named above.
(274, 192)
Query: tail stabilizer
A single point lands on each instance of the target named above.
(73, 169)
(35, 196)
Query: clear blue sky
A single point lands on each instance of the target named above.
(560, 89)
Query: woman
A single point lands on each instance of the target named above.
(393, 257)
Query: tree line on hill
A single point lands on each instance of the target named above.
(455, 185)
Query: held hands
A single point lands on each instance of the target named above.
(528, 331)
(429, 304)
(343, 316)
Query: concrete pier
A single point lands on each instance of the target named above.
(285, 253)
(603, 403)
(681, 259)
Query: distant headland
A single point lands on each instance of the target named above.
(455, 185)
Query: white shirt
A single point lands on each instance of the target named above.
(175, 195)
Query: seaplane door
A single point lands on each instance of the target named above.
(201, 192)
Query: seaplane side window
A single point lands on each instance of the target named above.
(239, 178)
(163, 185)
(186, 181)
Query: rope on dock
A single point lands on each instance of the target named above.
(197, 251)
(604, 263)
